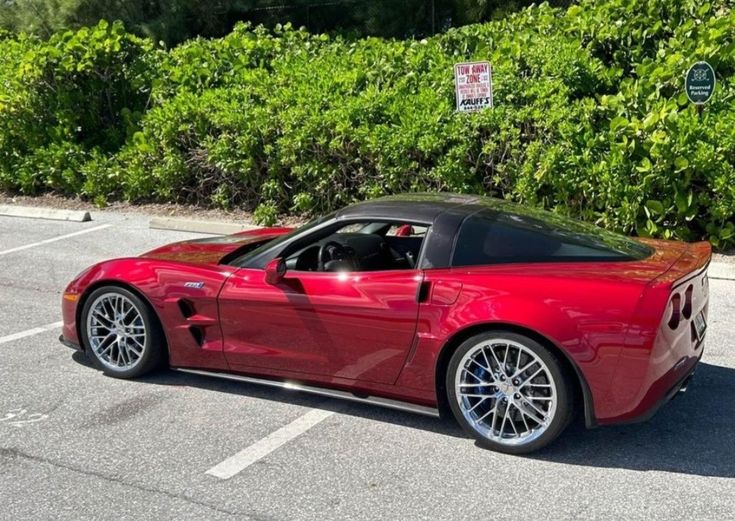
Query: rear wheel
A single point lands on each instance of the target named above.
(509, 392)
(121, 334)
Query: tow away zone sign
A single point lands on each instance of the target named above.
(473, 83)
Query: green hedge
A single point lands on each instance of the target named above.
(590, 117)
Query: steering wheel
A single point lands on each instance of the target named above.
(331, 251)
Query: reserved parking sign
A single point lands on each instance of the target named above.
(474, 86)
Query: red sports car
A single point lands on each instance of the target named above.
(510, 317)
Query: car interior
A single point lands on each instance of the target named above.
(365, 246)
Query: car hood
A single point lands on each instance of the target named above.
(212, 250)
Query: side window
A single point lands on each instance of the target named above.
(484, 241)
(491, 237)
(361, 246)
(406, 230)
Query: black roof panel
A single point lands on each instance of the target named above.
(424, 207)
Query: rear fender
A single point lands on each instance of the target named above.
(588, 329)
(653, 348)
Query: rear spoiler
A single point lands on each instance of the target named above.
(692, 262)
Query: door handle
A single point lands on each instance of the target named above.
(423, 291)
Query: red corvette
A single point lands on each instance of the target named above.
(511, 318)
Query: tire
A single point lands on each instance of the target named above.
(539, 406)
(125, 347)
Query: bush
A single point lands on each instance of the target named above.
(63, 101)
(590, 117)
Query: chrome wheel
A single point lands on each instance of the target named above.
(505, 392)
(116, 331)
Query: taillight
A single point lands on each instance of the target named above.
(687, 309)
(675, 317)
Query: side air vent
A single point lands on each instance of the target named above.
(675, 311)
(197, 334)
(187, 308)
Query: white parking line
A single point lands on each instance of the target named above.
(30, 332)
(54, 239)
(261, 448)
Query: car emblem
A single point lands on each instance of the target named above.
(197, 285)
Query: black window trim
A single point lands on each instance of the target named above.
(456, 239)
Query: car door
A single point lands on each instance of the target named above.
(357, 326)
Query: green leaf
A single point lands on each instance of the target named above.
(656, 207)
(681, 163)
(645, 165)
(618, 123)
(683, 202)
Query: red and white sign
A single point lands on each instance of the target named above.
(474, 85)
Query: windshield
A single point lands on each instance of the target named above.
(246, 258)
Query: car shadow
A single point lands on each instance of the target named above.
(693, 434)
(294, 397)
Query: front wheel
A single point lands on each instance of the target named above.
(509, 392)
(120, 333)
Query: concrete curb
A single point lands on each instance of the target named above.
(186, 225)
(34, 212)
(721, 270)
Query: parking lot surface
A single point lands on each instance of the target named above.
(75, 444)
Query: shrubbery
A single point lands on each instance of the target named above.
(590, 117)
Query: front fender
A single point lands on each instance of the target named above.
(183, 297)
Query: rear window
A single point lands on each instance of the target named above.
(498, 236)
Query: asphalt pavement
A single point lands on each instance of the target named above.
(77, 445)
